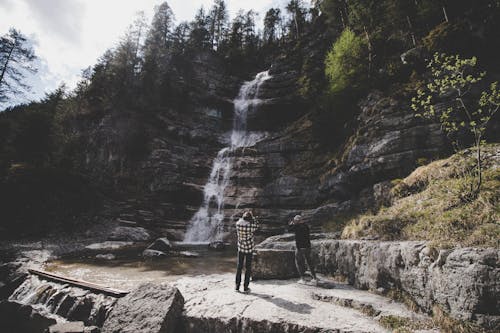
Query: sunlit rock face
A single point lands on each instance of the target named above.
(463, 282)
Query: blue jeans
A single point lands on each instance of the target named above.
(244, 258)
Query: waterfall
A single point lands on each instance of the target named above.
(206, 224)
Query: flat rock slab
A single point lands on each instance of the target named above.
(151, 308)
(109, 245)
(212, 305)
(71, 327)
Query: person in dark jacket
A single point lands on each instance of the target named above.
(245, 229)
(303, 248)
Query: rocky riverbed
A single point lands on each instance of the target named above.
(463, 283)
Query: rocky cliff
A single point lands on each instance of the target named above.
(291, 171)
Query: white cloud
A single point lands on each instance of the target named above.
(69, 35)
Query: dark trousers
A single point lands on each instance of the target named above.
(244, 258)
(302, 255)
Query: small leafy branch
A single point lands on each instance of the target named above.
(453, 78)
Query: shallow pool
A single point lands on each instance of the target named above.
(130, 269)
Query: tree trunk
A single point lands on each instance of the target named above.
(411, 31)
(445, 14)
(479, 166)
(4, 69)
(296, 25)
(370, 50)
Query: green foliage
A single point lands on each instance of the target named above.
(345, 63)
(455, 78)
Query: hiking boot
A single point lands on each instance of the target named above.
(237, 288)
(247, 290)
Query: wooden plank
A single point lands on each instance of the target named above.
(79, 283)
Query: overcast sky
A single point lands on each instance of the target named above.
(69, 35)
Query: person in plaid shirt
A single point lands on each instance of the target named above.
(245, 228)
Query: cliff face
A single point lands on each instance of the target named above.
(291, 171)
(152, 164)
(156, 162)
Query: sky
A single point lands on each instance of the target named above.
(70, 35)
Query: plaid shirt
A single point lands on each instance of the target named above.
(245, 231)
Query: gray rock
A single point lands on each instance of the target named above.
(274, 264)
(148, 309)
(464, 282)
(161, 244)
(133, 234)
(108, 256)
(109, 245)
(153, 254)
(19, 317)
(92, 329)
(189, 254)
(71, 327)
(217, 245)
(212, 306)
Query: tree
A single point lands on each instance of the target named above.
(344, 62)
(455, 78)
(199, 37)
(298, 17)
(16, 59)
(218, 21)
(158, 51)
(272, 22)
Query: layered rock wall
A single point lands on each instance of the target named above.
(464, 282)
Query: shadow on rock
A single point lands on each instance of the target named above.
(302, 308)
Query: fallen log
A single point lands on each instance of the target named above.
(79, 283)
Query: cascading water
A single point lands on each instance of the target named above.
(63, 302)
(205, 225)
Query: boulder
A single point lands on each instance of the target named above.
(23, 318)
(150, 308)
(161, 244)
(217, 245)
(132, 234)
(274, 264)
(153, 254)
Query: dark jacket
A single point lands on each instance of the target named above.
(302, 235)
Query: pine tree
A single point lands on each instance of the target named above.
(272, 22)
(16, 59)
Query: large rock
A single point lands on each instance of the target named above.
(274, 264)
(274, 306)
(464, 282)
(148, 309)
(17, 317)
(161, 244)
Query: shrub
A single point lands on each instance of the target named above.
(345, 63)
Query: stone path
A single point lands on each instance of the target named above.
(212, 305)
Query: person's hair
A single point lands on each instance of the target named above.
(248, 216)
